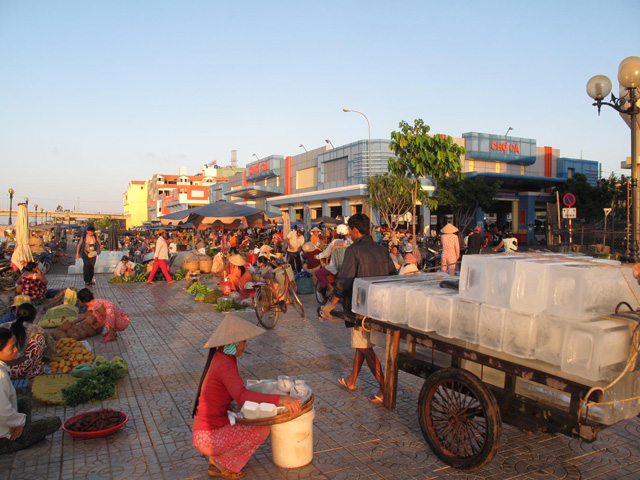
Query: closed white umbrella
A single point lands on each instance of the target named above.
(22, 253)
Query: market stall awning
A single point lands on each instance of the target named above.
(220, 214)
(257, 191)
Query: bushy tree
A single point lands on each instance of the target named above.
(391, 195)
(464, 197)
(420, 155)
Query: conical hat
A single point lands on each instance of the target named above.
(237, 260)
(448, 228)
(309, 247)
(233, 329)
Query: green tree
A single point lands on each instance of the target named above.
(391, 195)
(104, 223)
(59, 208)
(420, 155)
(464, 197)
(591, 200)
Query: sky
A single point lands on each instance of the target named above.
(96, 94)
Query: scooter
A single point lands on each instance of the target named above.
(8, 276)
(431, 259)
(44, 261)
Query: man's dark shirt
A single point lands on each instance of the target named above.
(363, 258)
(474, 243)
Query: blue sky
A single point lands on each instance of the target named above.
(95, 94)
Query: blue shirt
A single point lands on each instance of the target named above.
(10, 316)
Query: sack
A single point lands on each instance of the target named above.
(338, 256)
(305, 285)
(50, 348)
(92, 254)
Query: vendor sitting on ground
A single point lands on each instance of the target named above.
(33, 283)
(31, 342)
(102, 313)
(229, 447)
(17, 431)
(11, 315)
(240, 274)
(265, 267)
(125, 268)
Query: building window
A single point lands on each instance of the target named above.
(523, 170)
(498, 167)
(306, 178)
(571, 172)
(335, 170)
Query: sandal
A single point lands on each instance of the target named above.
(214, 472)
(108, 339)
(344, 384)
(376, 399)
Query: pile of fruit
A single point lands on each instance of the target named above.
(75, 331)
(69, 354)
(56, 316)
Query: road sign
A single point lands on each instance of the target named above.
(569, 199)
(607, 211)
(568, 213)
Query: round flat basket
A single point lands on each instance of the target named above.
(98, 433)
(280, 418)
(191, 265)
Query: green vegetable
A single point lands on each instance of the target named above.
(228, 305)
(121, 367)
(83, 370)
(99, 359)
(98, 385)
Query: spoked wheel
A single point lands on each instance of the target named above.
(296, 301)
(65, 260)
(320, 293)
(266, 309)
(460, 418)
(45, 266)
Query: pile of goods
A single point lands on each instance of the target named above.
(56, 316)
(69, 354)
(97, 381)
(79, 331)
(96, 421)
(141, 276)
(199, 291)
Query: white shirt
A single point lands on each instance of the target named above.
(329, 251)
(162, 251)
(9, 416)
(296, 241)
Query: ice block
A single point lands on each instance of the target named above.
(266, 410)
(491, 326)
(417, 309)
(441, 313)
(466, 314)
(250, 409)
(519, 336)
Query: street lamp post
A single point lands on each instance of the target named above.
(35, 207)
(11, 192)
(598, 87)
(369, 125)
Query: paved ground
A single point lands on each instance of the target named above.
(353, 439)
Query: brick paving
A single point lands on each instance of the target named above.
(353, 439)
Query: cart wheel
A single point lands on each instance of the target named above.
(296, 301)
(460, 418)
(266, 310)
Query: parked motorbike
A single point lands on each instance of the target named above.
(8, 276)
(44, 261)
(432, 259)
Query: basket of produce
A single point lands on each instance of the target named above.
(205, 265)
(191, 265)
(94, 424)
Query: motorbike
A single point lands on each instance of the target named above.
(432, 258)
(44, 261)
(8, 276)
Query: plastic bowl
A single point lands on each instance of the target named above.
(98, 433)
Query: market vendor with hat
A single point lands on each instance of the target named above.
(229, 447)
(239, 275)
(450, 248)
(315, 235)
(10, 316)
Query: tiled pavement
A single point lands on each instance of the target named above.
(352, 438)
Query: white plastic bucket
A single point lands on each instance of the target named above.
(292, 442)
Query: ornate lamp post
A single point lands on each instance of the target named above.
(35, 207)
(11, 192)
(369, 125)
(627, 103)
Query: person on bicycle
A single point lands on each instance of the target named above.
(295, 240)
(335, 251)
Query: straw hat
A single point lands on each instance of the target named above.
(410, 258)
(237, 260)
(233, 329)
(265, 249)
(309, 247)
(315, 229)
(448, 228)
(20, 300)
(162, 230)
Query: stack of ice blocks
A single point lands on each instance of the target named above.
(549, 308)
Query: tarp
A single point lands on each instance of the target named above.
(220, 214)
(22, 253)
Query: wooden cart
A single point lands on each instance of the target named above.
(461, 412)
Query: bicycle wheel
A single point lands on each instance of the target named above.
(266, 310)
(320, 293)
(296, 301)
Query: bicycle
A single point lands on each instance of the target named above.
(269, 302)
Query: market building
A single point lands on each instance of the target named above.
(332, 181)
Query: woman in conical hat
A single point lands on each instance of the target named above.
(229, 447)
(450, 248)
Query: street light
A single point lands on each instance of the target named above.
(254, 155)
(329, 142)
(11, 192)
(369, 125)
(508, 130)
(598, 88)
(42, 214)
(35, 207)
(302, 146)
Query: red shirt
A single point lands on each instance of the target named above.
(311, 258)
(221, 385)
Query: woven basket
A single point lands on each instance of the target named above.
(205, 266)
(191, 265)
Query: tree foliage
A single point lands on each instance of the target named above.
(464, 197)
(420, 155)
(391, 195)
